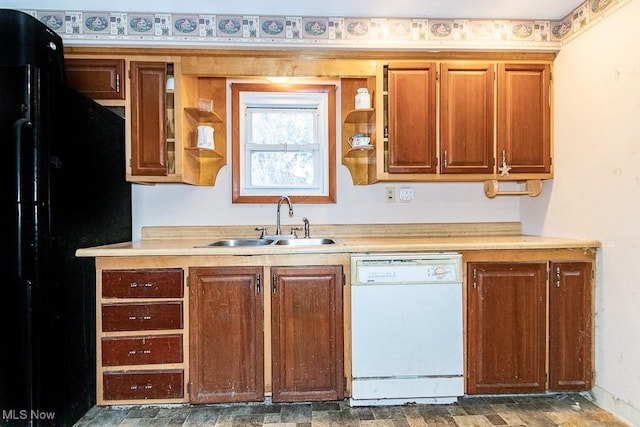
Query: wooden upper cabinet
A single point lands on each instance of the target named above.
(412, 117)
(466, 117)
(226, 341)
(148, 119)
(570, 326)
(307, 333)
(97, 78)
(506, 330)
(524, 132)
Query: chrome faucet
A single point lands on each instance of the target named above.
(282, 199)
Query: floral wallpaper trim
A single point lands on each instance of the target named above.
(89, 27)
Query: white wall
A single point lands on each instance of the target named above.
(596, 190)
(187, 205)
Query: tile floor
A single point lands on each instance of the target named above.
(567, 410)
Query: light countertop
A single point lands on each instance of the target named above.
(183, 242)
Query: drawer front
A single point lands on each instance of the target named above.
(142, 350)
(142, 317)
(133, 385)
(148, 283)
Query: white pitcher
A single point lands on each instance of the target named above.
(205, 137)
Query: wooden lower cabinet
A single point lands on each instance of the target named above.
(506, 330)
(140, 342)
(306, 333)
(227, 333)
(570, 326)
(515, 312)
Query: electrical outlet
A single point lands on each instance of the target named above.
(406, 194)
(390, 194)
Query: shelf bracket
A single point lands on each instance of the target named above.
(532, 188)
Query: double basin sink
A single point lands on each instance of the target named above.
(272, 242)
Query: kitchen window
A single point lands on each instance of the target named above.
(283, 142)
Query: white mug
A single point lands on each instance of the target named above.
(205, 137)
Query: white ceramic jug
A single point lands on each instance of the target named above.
(205, 137)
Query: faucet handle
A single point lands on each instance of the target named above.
(262, 230)
(293, 231)
(306, 227)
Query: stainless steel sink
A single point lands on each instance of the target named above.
(229, 243)
(241, 242)
(306, 242)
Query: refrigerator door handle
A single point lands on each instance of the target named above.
(19, 127)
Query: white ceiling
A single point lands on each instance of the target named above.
(493, 9)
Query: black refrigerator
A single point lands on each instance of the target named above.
(62, 187)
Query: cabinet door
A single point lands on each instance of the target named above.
(97, 78)
(466, 118)
(306, 333)
(412, 117)
(148, 119)
(524, 132)
(506, 335)
(226, 334)
(570, 331)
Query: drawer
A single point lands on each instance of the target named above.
(142, 317)
(133, 385)
(146, 350)
(147, 283)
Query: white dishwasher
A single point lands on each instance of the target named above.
(406, 320)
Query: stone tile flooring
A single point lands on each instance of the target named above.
(567, 410)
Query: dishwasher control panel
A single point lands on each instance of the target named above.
(406, 269)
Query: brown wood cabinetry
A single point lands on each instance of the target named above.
(412, 117)
(466, 117)
(226, 334)
(494, 123)
(97, 78)
(148, 283)
(307, 336)
(524, 112)
(143, 385)
(570, 326)
(140, 317)
(506, 327)
(514, 313)
(148, 119)
(145, 350)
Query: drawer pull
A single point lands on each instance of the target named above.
(141, 387)
(135, 352)
(142, 285)
(139, 317)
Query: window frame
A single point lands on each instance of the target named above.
(238, 163)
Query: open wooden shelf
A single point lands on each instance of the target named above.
(203, 115)
(364, 115)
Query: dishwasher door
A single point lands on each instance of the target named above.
(407, 337)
